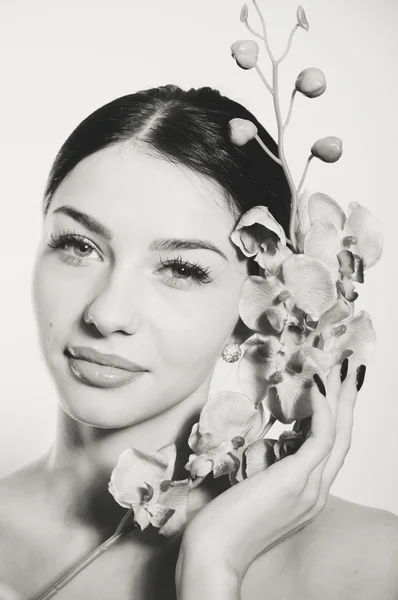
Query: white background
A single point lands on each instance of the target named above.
(62, 59)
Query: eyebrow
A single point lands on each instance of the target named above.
(184, 244)
(88, 222)
(156, 245)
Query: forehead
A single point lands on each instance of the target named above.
(128, 189)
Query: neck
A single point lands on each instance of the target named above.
(83, 456)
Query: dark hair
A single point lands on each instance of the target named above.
(190, 127)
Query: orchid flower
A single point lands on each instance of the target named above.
(280, 373)
(142, 482)
(346, 245)
(265, 452)
(228, 423)
(340, 334)
(259, 235)
(303, 284)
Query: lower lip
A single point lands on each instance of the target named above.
(100, 375)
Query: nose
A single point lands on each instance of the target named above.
(114, 309)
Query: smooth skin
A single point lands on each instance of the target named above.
(57, 509)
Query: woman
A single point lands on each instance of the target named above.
(136, 290)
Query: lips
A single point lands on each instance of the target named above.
(102, 370)
(107, 360)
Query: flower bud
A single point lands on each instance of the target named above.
(241, 131)
(329, 149)
(311, 82)
(245, 52)
(302, 18)
(244, 13)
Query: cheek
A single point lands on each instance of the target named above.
(195, 327)
(57, 301)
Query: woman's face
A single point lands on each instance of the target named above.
(140, 247)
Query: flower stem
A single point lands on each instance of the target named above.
(305, 173)
(267, 150)
(81, 565)
(124, 520)
(265, 37)
(268, 425)
(263, 79)
(252, 31)
(289, 114)
(278, 114)
(288, 44)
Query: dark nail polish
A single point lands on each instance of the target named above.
(344, 369)
(360, 376)
(319, 384)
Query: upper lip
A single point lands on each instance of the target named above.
(109, 360)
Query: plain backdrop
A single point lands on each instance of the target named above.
(62, 59)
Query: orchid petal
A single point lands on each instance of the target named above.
(337, 313)
(360, 337)
(318, 356)
(141, 516)
(158, 514)
(257, 295)
(322, 206)
(229, 415)
(303, 222)
(208, 442)
(311, 284)
(176, 497)
(134, 468)
(199, 466)
(347, 289)
(323, 242)
(259, 456)
(367, 231)
(272, 258)
(224, 465)
(290, 400)
(251, 375)
(249, 238)
(194, 437)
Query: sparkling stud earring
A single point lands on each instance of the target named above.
(231, 353)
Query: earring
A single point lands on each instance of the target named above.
(231, 353)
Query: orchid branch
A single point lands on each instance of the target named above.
(289, 43)
(81, 565)
(289, 114)
(279, 120)
(264, 27)
(281, 127)
(305, 173)
(252, 30)
(267, 150)
(263, 79)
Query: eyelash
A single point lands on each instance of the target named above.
(194, 271)
(58, 241)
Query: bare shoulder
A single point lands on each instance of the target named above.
(350, 551)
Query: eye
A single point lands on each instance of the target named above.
(184, 274)
(73, 248)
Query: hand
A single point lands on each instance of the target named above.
(269, 506)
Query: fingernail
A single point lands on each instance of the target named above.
(319, 384)
(360, 376)
(344, 369)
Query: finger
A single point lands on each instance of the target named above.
(344, 427)
(333, 388)
(318, 444)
